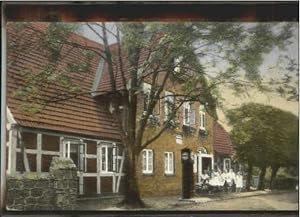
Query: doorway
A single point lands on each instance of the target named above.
(205, 163)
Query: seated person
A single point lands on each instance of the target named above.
(204, 177)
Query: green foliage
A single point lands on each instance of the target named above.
(239, 46)
(82, 67)
(264, 135)
(284, 183)
(51, 42)
(54, 38)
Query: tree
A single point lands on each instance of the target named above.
(264, 136)
(177, 53)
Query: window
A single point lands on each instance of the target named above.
(202, 117)
(169, 104)
(146, 92)
(108, 158)
(169, 163)
(76, 150)
(186, 113)
(147, 161)
(226, 164)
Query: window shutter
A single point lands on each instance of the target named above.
(151, 161)
(144, 160)
(186, 113)
(115, 159)
(202, 117)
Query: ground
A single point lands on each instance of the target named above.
(283, 201)
(258, 200)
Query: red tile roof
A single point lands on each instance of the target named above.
(104, 85)
(83, 115)
(222, 143)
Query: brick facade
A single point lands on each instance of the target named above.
(158, 183)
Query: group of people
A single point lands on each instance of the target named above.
(228, 181)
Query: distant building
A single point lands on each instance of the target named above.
(223, 148)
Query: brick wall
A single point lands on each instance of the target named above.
(56, 190)
(158, 183)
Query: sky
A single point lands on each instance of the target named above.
(268, 69)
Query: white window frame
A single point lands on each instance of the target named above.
(146, 91)
(224, 164)
(195, 164)
(202, 119)
(169, 163)
(169, 98)
(82, 159)
(113, 158)
(147, 161)
(186, 120)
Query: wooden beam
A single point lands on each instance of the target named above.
(102, 175)
(91, 156)
(61, 144)
(98, 169)
(24, 153)
(81, 183)
(12, 150)
(34, 151)
(66, 137)
(120, 172)
(114, 183)
(39, 153)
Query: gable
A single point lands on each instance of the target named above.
(222, 143)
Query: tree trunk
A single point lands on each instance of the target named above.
(273, 175)
(249, 176)
(261, 182)
(132, 198)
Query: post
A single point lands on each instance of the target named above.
(12, 152)
(65, 177)
(39, 153)
(69, 149)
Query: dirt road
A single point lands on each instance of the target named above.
(244, 201)
(282, 201)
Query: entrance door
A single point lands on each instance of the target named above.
(205, 162)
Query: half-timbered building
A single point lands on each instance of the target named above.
(83, 128)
